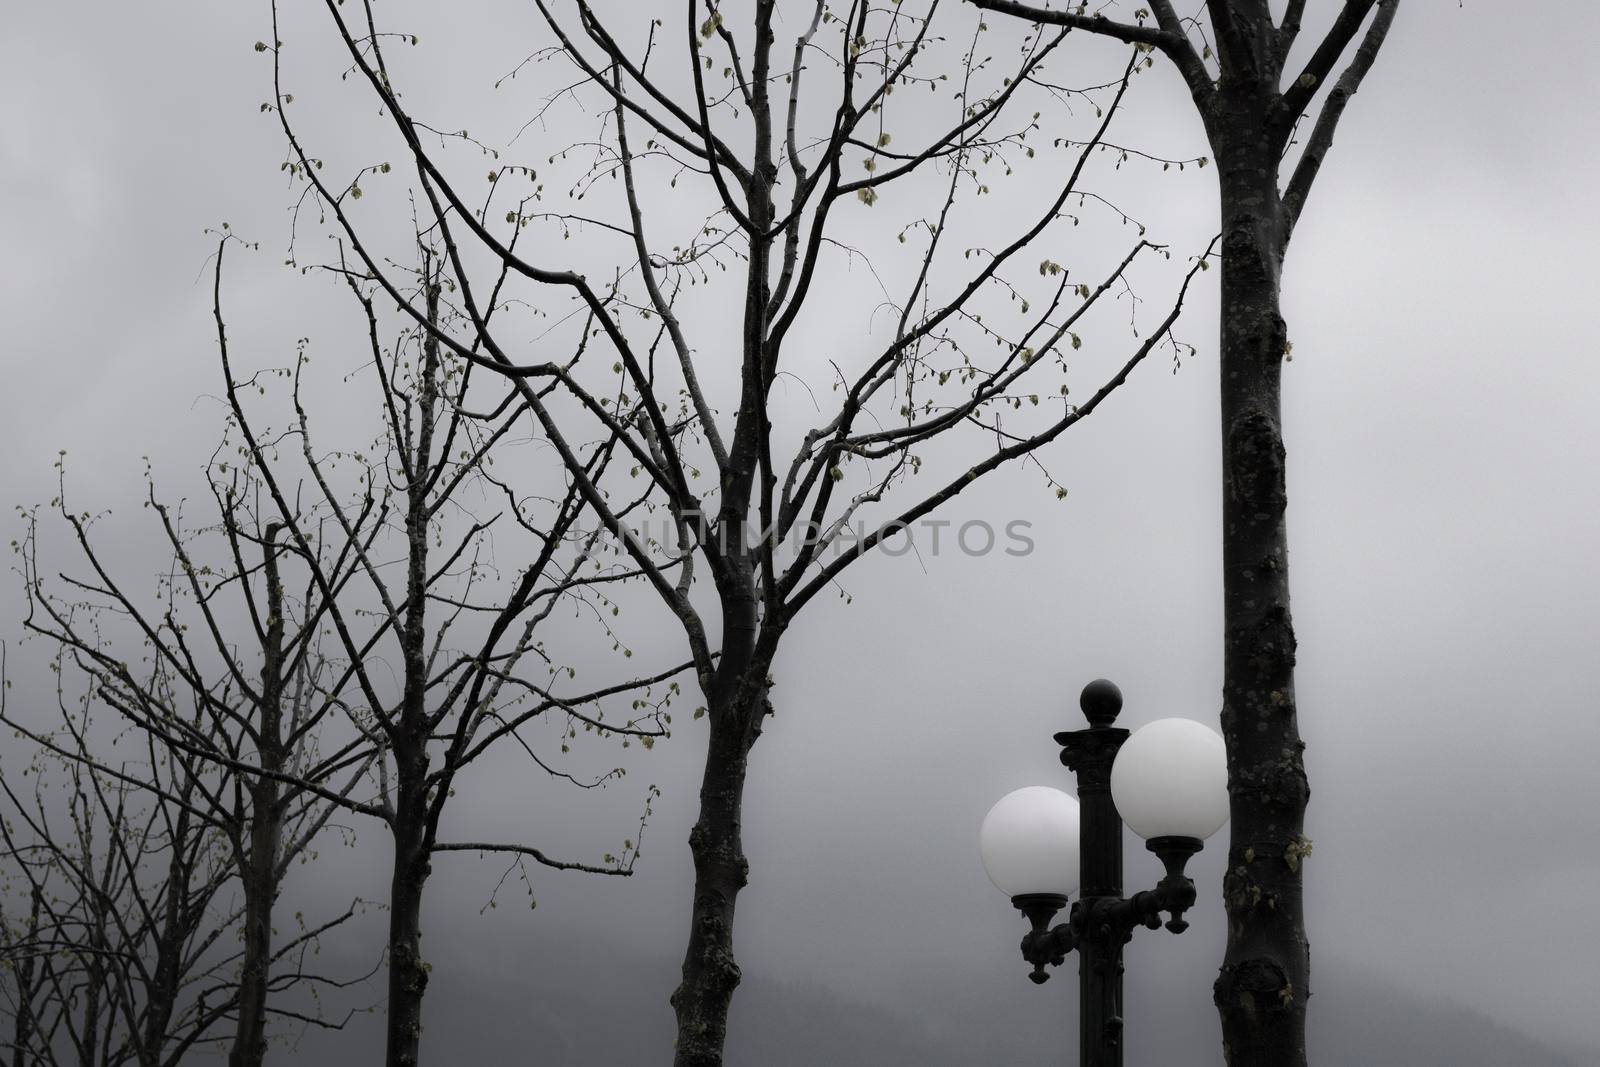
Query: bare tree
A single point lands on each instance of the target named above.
(233, 704)
(963, 367)
(301, 713)
(474, 668)
(127, 953)
(1252, 101)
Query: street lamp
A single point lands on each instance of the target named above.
(1169, 780)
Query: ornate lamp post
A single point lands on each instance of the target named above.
(1169, 780)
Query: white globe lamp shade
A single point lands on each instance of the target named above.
(1029, 842)
(1170, 779)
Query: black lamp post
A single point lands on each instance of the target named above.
(1173, 779)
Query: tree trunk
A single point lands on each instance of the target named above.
(408, 973)
(410, 826)
(260, 893)
(259, 869)
(22, 1034)
(162, 988)
(720, 871)
(88, 1042)
(1263, 986)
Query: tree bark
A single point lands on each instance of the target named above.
(260, 893)
(408, 973)
(410, 825)
(161, 992)
(710, 973)
(22, 1034)
(1263, 985)
(259, 868)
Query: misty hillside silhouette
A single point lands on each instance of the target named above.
(590, 1005)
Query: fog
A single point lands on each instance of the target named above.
(1444, 513)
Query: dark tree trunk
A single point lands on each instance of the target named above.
(710, 973)
(1263, 985)
(162, 991)
(737, 699)
(408, 973)
(260, 893)
(411, 825)
(22, 1034)
(86, 1044)
(259, 868)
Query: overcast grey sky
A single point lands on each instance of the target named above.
(1445, 512)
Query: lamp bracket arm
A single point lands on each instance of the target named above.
(1174, 895)
(1048, 947)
